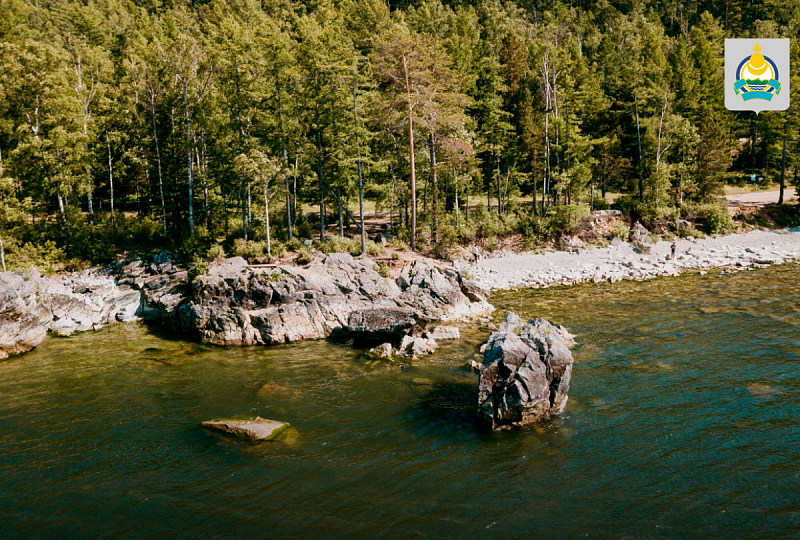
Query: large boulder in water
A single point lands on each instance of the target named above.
(524, 378)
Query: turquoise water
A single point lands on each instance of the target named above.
(682, 423)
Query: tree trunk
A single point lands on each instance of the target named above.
(88, 175)
(189, 160)
(266, 219)
(534, 182)
(285, 156)
(411, 158)
(160, 179)
(639, 146)
(294, 181)
(60, 200)
(110, 178)
(434, 189)
(2, 254)
(499, 189)
(339, 203)
(360, 178)
(321, 190)
(455, 189)
(547, 178)
(783, 162)
(242, 192)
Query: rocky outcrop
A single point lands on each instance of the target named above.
(525, 373)
(235, 304)
(31, 304)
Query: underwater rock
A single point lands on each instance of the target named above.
(417, 346)
(257, 428)
(440, 333)
(524, 378)
(384, 351)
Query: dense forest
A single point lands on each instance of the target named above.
(222, 125)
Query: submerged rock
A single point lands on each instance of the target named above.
(440, 333)
(257, 428)
(524, 378)
(384, 351)
(417, 346)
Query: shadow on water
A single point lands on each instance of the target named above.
(448, 404)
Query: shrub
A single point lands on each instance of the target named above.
(601, 204)
(339, 244)
(691, 231)
(304, 256)
(42, 256)
(718, 220)
(382, 269)
(215, 252)
(621, 230)
(294, 245)
(373, 248)
(248, 249)
(535, 226)
(197, 268)
(398, 244)
(566, 218)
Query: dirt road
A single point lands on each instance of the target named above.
(759, 198)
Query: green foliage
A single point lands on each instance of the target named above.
(718, 220)
(41, 256)
(266, 98)
(248, 249)
(714, 216)
(691, 231)
(398, 244)
(382, 269)
(294, 245)
(621, 230)
(215, 252)
(338, 244)
(566, 218)
(197, 268)
(304, 256)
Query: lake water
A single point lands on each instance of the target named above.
(683, 422)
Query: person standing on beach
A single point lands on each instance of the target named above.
(673, 247)
(475, 253)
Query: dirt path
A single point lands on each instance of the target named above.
(759, 198)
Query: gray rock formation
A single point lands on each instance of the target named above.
(234, 304)
(524, 378)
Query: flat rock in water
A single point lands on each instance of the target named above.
(257, 428)
(440, 333)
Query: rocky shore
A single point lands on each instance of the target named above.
(235, 303)
(625, 261)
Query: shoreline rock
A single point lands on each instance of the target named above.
(234, 304)
(525, 373)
